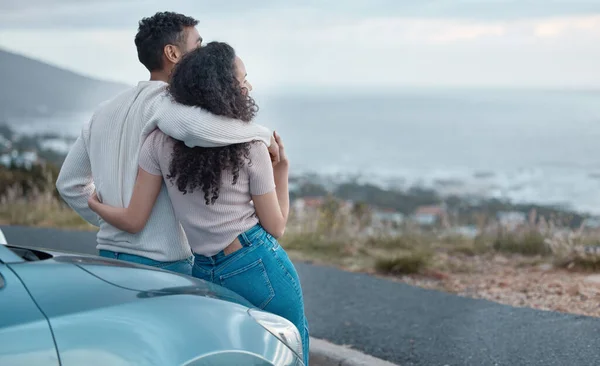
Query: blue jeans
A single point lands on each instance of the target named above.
(183, 266)
(263, 274)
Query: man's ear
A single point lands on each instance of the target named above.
(172, 53)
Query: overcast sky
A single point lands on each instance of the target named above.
(348, 44)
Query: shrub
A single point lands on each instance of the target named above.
(529, 243)
(574, 250)
(409, 263)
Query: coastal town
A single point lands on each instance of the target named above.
(417, 208)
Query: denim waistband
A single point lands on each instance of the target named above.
(247, 239)
(251, 235)
(135, 258)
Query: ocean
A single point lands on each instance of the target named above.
(526, 146)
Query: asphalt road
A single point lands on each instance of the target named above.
(409, 325)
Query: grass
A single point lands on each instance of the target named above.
(387, 255)
(331, 235)
(50, 214)
(29, 198)
(470, 247)
(529, 243)
(410, 252)
(409, 263)
(315, 243)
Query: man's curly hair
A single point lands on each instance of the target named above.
(206, 78)
(158, 31)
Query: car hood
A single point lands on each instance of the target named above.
(152, 282)
(149, 281)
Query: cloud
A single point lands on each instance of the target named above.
(580, 26)
(302, 48)
(43, 14)
(68, 14)
(288, 46)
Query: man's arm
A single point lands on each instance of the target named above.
(197, 127)
(75, 183)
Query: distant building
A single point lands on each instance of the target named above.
(23, 160)
(387, 217)
(431, 215)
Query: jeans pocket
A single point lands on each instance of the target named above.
(251, 282)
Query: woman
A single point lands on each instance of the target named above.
(232, 201)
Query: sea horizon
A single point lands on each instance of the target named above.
(527, 146)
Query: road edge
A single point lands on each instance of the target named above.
(324, 353)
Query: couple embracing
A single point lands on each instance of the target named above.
(177, 176)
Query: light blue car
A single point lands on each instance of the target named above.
(58, 308)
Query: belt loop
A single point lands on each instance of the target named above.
(243, 238)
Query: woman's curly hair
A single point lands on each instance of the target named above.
(206, 78)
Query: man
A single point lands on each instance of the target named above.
(105, 156)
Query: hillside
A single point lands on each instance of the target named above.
(30, 87)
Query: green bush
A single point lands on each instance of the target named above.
(409, 263)
(528, 243)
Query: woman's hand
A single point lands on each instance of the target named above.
(93, 200)
(282, 156)
(274, 150)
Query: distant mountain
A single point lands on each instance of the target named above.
(30, 87)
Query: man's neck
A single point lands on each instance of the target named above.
(159, 76)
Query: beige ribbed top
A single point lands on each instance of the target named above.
(210, 228)
(105, 158)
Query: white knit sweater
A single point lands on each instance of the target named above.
(105, 158)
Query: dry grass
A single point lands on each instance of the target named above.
(409, 252)
(319, 246)
(575, 250)
(335, 235)
(469, 247)
(29, 198)
(42, 214)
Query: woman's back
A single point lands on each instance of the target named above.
(211, 228)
